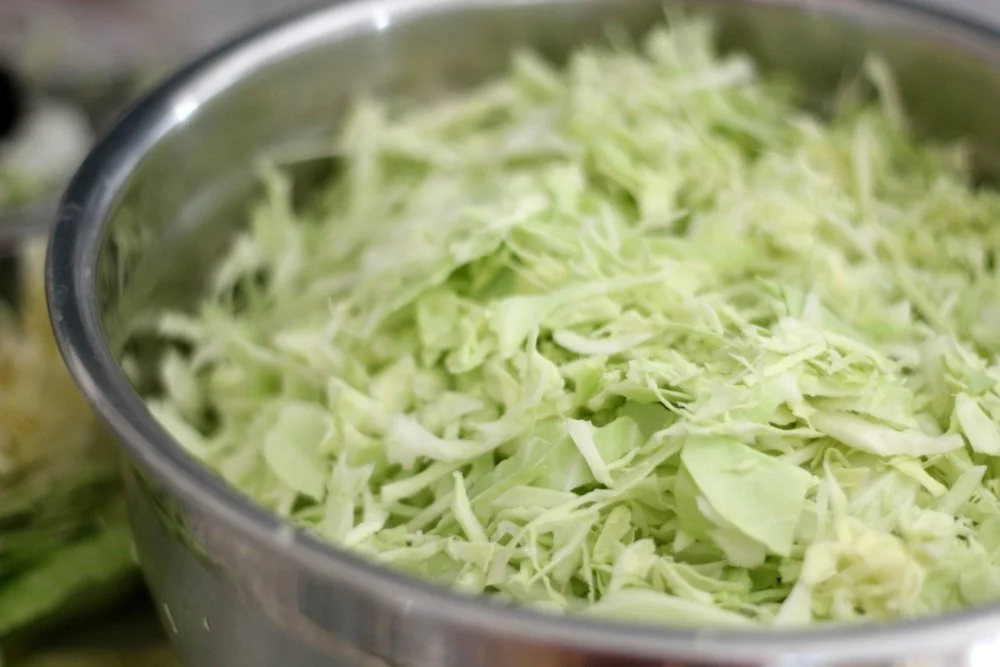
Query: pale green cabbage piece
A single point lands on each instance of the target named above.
(638, 338)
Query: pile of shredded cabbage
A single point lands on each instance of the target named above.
(638, 339)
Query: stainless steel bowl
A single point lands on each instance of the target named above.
(162, 193)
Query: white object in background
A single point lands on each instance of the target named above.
(49, 144)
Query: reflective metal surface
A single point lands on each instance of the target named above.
(158, 198)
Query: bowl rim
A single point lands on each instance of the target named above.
(70, 280)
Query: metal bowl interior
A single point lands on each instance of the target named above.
(161, 195)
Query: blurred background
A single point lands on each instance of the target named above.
(67, 69)
(104, 40)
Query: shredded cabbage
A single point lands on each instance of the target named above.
(639, 339)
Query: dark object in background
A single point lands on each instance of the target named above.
(12, 107)
(12, 103)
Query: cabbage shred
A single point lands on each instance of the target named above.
(639, 339)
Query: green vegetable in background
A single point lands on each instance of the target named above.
(638, 339)
(64, 539)
(157, 657)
